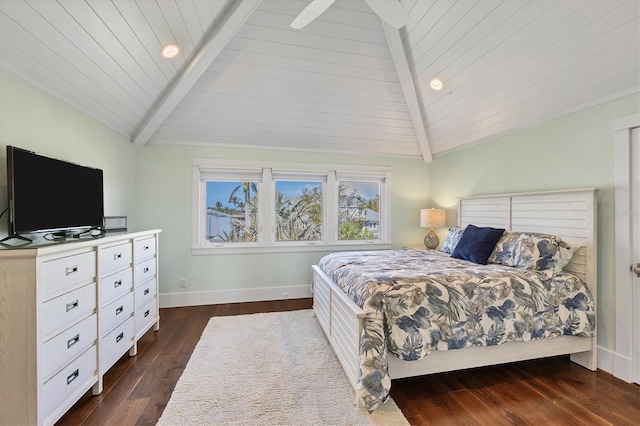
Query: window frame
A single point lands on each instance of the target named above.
(238, 170)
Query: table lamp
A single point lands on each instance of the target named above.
(432, 218)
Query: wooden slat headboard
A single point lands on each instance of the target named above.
(568, 214)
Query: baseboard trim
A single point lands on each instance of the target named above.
(213, 297)
(605, 359)
(615, 364)
(623, 368)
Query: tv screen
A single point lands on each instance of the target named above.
(46, 194)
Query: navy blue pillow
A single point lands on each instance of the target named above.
(477, 244)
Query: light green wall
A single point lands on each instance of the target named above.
(573, 151)
(32, 119)
(164, 201)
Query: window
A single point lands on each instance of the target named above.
(244, 207)
(231, 211)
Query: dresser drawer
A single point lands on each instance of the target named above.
(115, 313)
(145, 293)
(66, 272)
(64, 347)
(76, 377)
(114, 258)
(145, 316)
(116, 343)
(144, 271)
(62, 311)
(116, 285)
(144, 249)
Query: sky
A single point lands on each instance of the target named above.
(220, 191)
(367, 190)
(294, 188)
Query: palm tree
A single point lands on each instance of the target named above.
(288, 218)
(247, 188)
(294, 219)
(245, 230)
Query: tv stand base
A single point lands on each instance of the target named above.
(16, 237)
(60, 235)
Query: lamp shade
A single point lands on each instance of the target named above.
(433, 218)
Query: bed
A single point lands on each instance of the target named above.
(384, 326)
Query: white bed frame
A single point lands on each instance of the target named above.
(569, 214)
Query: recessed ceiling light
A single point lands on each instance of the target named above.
(436, 84)
(170, 50)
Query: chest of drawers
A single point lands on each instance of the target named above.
(68, 312)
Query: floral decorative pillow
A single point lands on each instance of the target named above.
(529, 250)
(455, 233)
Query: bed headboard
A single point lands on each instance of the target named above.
(569, 214)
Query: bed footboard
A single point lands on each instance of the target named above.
(341, 320)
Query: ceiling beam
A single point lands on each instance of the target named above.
(216, 41)
(408, 88)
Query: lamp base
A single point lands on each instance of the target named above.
(431, 240)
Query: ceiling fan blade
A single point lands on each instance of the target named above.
(311, 12)
(391, 11)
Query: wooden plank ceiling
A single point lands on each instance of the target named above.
(345, 83)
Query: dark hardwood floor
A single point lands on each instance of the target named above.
(551, 391)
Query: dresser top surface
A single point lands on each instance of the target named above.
(42, 246)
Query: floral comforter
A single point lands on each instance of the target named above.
(418, 301)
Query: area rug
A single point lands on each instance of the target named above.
(268, 369)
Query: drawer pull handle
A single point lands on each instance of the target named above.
(146, 291)
(145, 270)
(71, 377)
(119, 310)
(71, 269)
(145, 248)
(146, 314)
(75, 339)
(72, 305)
(117, 256)
(119, 337)
(117, 284)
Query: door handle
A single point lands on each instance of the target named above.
(636, 270)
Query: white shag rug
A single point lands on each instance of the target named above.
(268, 369)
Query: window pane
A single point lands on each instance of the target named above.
(358, 210)
(232, 211)
(298, 211)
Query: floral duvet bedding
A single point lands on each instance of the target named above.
(419, 301)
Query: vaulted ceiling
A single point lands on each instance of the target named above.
(345, 83)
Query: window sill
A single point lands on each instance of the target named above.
(204, 251)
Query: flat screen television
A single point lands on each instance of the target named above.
(47, 194)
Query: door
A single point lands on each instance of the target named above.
(635, 237)
(626, 357)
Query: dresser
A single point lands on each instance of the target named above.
(68, 312)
